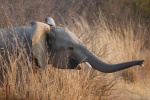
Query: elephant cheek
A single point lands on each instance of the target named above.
(59, 61)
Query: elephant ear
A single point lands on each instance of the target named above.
(39, 49)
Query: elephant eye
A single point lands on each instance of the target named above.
(71, 48)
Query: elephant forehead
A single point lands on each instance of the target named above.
(64, 34)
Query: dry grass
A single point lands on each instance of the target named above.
(117, 41)
(22, 81)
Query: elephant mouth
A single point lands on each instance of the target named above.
(73, 63)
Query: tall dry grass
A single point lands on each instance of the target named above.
(113, 41)
(22, 80)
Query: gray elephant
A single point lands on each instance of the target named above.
(64, 49)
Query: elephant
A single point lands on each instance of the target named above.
(58, 46)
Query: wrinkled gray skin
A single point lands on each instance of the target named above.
(65, 50)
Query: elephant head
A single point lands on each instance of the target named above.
(66, 51)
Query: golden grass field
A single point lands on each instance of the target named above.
(114, 42)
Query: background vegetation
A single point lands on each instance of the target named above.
(116, 30)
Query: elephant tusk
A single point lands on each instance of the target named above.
(142, 65)
(88, 64)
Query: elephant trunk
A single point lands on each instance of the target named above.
(109, 68)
